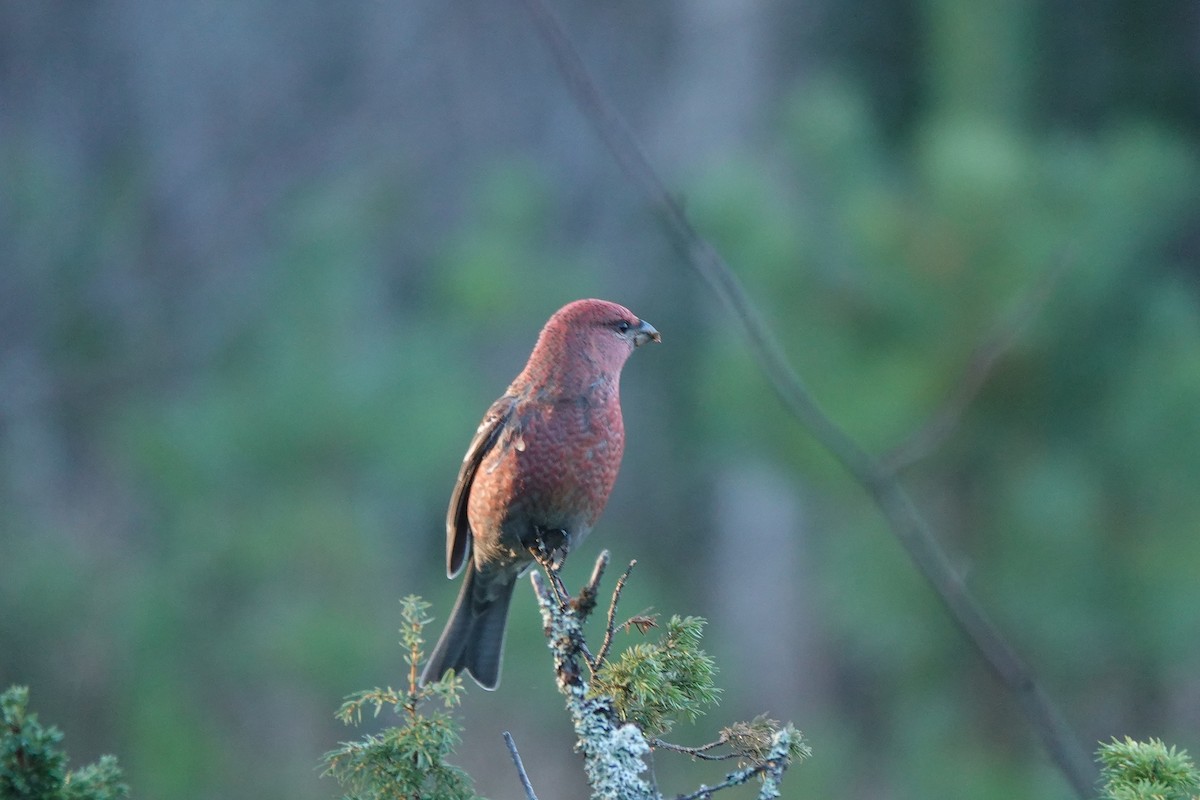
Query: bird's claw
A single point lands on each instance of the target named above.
(549, 548)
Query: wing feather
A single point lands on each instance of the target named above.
(458, 528)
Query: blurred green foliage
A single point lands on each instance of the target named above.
(1064, 484)
(220, 465)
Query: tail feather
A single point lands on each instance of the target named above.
(473, 640)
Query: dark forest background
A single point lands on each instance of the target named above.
(263, 266)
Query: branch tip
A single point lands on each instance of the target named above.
(539, 586)
(610, 628)
(521, 774)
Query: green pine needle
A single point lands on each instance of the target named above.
(1148, 770)
(654, 685)
(407, 761)
(33, 765)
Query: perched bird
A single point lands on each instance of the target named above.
(536, 476)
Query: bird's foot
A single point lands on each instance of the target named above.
(549, 550)
(548, 547)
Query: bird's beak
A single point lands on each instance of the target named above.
(645, 332)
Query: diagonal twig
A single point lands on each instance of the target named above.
(893, 500)
(585, 603)
(521, 773)
(770, 770)
(701, 752)
(610, 628)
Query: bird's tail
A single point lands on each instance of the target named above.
(473, 640)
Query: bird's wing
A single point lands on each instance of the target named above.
(458, 529)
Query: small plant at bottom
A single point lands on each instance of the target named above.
(33, 765)
(407, 761)
(1149, 770)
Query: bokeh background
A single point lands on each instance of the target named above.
(263, 265)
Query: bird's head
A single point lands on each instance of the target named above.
(590, 337)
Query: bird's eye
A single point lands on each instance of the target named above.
(622, 326)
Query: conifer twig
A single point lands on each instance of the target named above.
(521, 774)
(894, 502)
(770, 768)
(700, 752)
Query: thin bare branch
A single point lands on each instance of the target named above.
(770, 768)
(701, 752)
(516, 757)
(586, 602)
(905, 520)
(610, 629)
(706, 792)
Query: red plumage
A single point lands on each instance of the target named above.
(539, 470)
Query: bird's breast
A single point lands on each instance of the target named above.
(553, 468)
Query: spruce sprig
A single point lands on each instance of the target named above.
(1149, 770)
(655, 684)
(406, 761)
(33, 765)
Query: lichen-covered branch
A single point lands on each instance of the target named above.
(771, 769)
(656, 684)
(612, 751)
